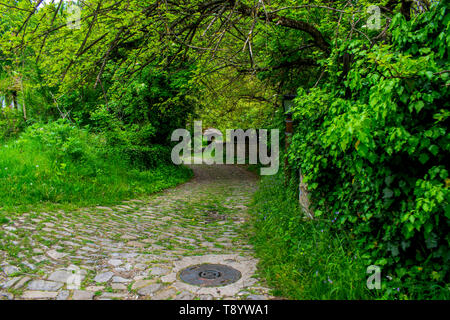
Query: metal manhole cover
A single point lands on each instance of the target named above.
(210, 275)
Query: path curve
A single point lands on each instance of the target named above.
(135, 250)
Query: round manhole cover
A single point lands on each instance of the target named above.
(210, 275)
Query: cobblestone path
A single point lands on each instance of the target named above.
(135, 250)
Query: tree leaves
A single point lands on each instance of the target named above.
(391, 125)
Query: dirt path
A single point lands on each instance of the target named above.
(135, 250)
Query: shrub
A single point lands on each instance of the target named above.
(60, 138)
(11, 123)
(379, 157)
(132, 142)
(60, 163)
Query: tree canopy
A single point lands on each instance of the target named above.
(371, 116)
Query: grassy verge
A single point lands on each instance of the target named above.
(303, 259)
(38, 175)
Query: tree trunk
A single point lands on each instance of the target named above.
(14, 100)
(24, 107)
(406, 9)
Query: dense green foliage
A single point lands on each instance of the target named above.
(370, 121)
(61, 164)
(11, 123)
(140, 118)
(376, 160)
(114, 141)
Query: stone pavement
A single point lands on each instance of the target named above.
(136, 249)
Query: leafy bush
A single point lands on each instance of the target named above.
(379, 157)
(162, 98)
(11, 123)
(59, 163)
(60, 138)
(132, 142)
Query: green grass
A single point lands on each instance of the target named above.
(303, 259)
(37, 175)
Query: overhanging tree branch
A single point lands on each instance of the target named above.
(288, 23)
